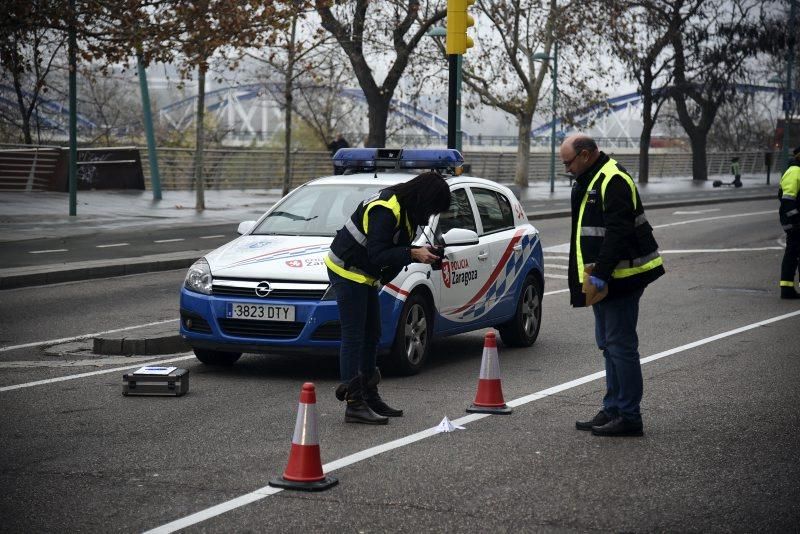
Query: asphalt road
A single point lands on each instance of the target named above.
(721, 426)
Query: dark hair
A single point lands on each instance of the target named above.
(584, 143)
(423, 196)
(796, 151)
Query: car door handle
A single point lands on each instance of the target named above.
(517, 248)
(483, 255)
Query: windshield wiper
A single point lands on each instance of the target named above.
(292, 216)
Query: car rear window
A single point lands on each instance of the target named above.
(317, 210)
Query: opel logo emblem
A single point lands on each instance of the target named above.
(263, 289)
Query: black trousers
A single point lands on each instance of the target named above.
(791, 258)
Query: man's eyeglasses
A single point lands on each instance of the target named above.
(568, 163)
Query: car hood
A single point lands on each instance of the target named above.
(272, 257)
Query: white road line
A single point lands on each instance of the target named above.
(696, 212)
(211, 236)
(704, 250)
(168, 240)
(718, 217)
(556, 257)
(556, 291)
(556, 266)
(365, 454)
(556, 276)
(186, 356)
(113, 245)
(82, 336)
(47, 251)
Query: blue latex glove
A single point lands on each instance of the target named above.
(599, 283)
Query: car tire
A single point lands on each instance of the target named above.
(412, 341)
(215, 357)
(523, 328)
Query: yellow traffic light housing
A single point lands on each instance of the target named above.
(458, 20)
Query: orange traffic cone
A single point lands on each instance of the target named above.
(489, 398)
(304, 471)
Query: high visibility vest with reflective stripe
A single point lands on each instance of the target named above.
(351, 264)
(591, 229)
(789, 210)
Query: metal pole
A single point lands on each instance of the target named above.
(460, 60)
(73, 113)
(553, 131)
(787, 97)
(155, 179)
(452, 97)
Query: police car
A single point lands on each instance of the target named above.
(268, 292)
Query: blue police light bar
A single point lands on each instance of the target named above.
(397, 158)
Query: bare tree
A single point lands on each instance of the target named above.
(361, 37)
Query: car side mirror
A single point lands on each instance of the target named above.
(245, 226)
(460, 237)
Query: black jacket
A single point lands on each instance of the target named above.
(614, 234)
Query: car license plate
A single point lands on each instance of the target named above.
(259, 312)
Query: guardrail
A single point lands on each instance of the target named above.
(36, 168)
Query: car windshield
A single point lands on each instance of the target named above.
(316, 210)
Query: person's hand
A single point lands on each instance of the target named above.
(423, 255)
(599, 283)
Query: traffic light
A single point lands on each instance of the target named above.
(458, 20)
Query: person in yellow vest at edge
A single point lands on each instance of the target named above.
(613, 256)
(371, 249)
(790, 220)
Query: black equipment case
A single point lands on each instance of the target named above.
(163, 381)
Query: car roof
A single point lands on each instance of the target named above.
(386, 179)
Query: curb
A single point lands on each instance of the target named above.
(87, 270)
(148, 341)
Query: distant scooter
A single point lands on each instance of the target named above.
(737, 182)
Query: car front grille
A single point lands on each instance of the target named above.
(330, 331)
(261, 329)
(278, 290)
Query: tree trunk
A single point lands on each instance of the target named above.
(23, 111)
(644, 139)
(699, 161)
(287, 114)
(378, 117)
(200, 203)
(523, 150)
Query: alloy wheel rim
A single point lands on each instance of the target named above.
(416, 334)
(530, 311)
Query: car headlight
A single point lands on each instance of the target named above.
(199, 277)
(329, 294)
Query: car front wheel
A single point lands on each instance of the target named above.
(523, 329)
(215, 357)
(412, 340)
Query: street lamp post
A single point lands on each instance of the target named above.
(554, 72)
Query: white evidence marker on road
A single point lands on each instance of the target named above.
(113, 245)
(168, 240)
(366, 454)
(211, 236)
(47, 251)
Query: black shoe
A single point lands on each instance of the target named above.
(789, 293)
(381, 408)
(358, 411)
(598, 420)
(618, 427)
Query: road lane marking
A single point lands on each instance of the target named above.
(113, 245)
(695, 212)
(47, 251)
(718, 217)
(94, 362)
(556, 258)
(211, 236)
(555, 266)
(704, 250)
(556, 291)
(168, 240)
(82, 336)
(365, 454)
(556, 276)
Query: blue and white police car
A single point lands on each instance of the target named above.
(267, 291)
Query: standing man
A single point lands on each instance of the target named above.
(335, 145)
(790, 220)
(612, 250)
(736, 172)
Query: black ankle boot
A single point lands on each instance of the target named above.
(358, 411)
(789, 293)
(374, 400)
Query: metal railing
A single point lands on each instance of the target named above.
(27, 168)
